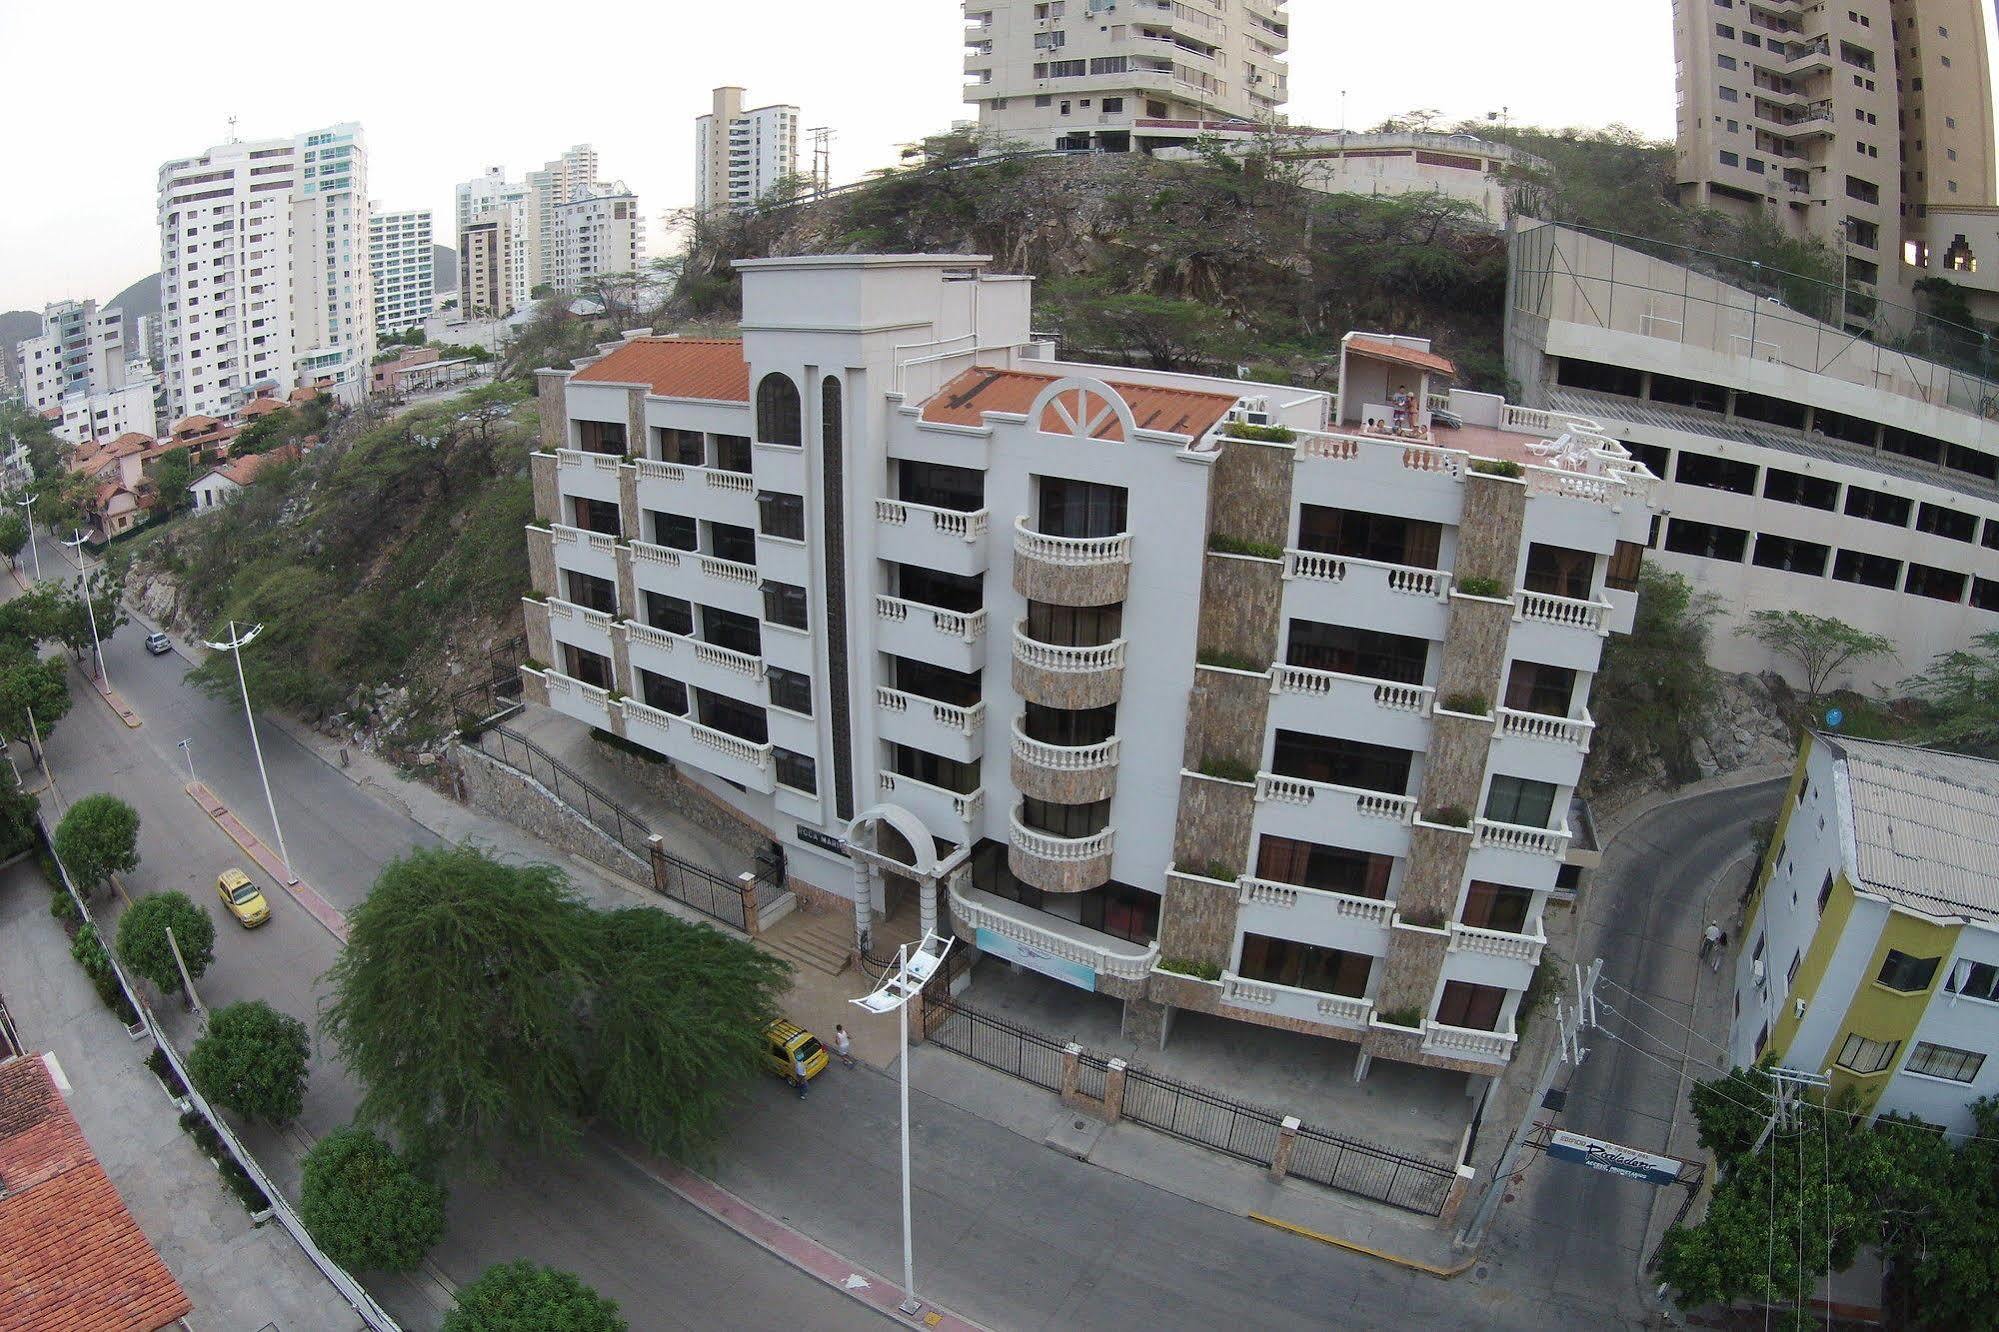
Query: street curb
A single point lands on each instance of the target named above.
(308, 897)
(118, 705)
(1414, 1265)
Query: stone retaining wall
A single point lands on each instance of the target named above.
(491, 787)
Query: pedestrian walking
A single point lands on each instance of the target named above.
(1709, 938)
(843, 1045)
(1720, 947)
(800, 1075)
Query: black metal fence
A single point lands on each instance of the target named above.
(1194, 1114)
(701, 889)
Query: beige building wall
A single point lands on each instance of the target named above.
(483, 267)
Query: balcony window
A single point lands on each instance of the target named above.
(663, 692)
(727, 541)
(1069, 728)
(1116, 909)
(1071, 508)
(1948, 523)
(784, 603)
(599, 594)
(1559, 571)
(673, 615)
(1790, 555)
(1368, 536)
(1474, 1006)
(1812, 492)
(1074, 626)
(954, 592)
(1627, 559)
(1909, 444)
(940, 487)
(936, 770)
(674, 530)
(745, 721)
(684, 447)
(1972, 462)
(732, 454)
(595, 515)
(1072, 821)
(1304, 966)
(779, 419)
(1772, 411)
(795, 770)
(1518, 801)
(1985, 594)
(1854, 566)
(1707, 540)
(600, 436)
(592, 668)
(1318, 758)
(781, 515)
(1533, 686)
(1497, 906)
(1877, 506)
(1700, 469)
(731, 630)
(1365, 652)
(1330, 868)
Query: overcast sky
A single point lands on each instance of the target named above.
(102, 93)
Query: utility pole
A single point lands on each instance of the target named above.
(193, 999)
(1568, 1049)
(822, 158)
(1786, 1090)
(89, 606)
(28, 503)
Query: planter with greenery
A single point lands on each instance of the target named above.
(1450, 816)
(1497, 467)
(1475, 586)
(1263, 434)
(233, 1174)
(1409, 1017)
(1228, 770)
(1221, 544)
(1427, 919)
(1231, 661)
(1466, 705)
(1180, 966)
(169, 1080)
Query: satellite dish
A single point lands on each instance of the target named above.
(1833, 717)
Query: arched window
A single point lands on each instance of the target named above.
(778, 417)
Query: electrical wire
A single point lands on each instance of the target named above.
(1639, 998)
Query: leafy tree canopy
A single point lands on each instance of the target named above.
(1655, 689)
(142, 938)
(30, 686)
(252, 1060)
(366, 1206)
(1961, 689)
(97, 838)
(13, 533)
(1818, 645)
(524, 1297)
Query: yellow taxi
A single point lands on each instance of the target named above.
(244, 900)
(783, 1040)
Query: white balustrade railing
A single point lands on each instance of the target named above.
(558, 609)
(1403, 578)
(646, 715)
(950, 716)
(1539, 726)
(1575, 485)
(1295, 1002)
(1067, 660)
(652, 469)
(1370, 804)
(1516, 837)
(1388, 694)
(565, 535)
(743, 751)
(603, 542)
(1291, 896)
(1438, 1036)
(737, 483)
(968, 625)
(1063, 758)
(1566, 611)
(1533, 421)
(649, 636)
(645, 552)
(1047, 846)
(945, 522)
(558, 683)
(1496, 943)
(1074, 551)
(966, 805)
(728, 659)
(1050, 939)
(728, 571)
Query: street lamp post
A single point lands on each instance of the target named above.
(187, 752)
(237, 642)
(83, 587)
(895, 992)
(28, 502)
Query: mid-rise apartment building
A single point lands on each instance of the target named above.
(264, 270)
(1124, 75)
(79, 373)
(401, 266)
(524, 213)
(1800, 464)
(597, 234)
(1844, 122)
(1132, 676)
(486, 273)
(1871, 952)
(742, 157)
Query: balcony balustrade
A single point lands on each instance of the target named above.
(1288, 1001)
(1064, 774)
(1497, 943)
(1552, 842)
(1468, 1042)
(1104, 954)
(1071, 571)
(1059, 676)
(1059, 864)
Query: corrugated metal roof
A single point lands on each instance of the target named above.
(1925, 825)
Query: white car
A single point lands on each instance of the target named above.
(158, 644)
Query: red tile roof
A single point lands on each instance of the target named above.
(197, 423)
(304, 394)
(1388, 351)
(258, 407)
(1176, 411)
(709, 368)
(72, 1259)
(247, 469)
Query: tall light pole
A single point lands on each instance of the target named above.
(90, 608)
(28, 502)
(187, 752)
(896, 990)
(237, 642)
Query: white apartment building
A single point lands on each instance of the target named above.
(525, 216)
(1129, 675)
(598, 233)
(1871, 952)
(1801, 465)
(1124, 75)
(1846, 122)
(264, 270)
(741, 157)
(401, 267)
(563, 180)
(79, 373)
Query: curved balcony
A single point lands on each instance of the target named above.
(1067, 677)
(975, 912)
(1063, 774)
(1071, 571)
(1059, 864)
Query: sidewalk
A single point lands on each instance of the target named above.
(238, 1275)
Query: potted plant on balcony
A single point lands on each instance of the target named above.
(1466, 704)
(1450, 816)
(1408, 1017)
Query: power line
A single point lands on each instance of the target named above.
(1719, 1045)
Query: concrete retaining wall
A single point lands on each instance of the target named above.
(493, 788)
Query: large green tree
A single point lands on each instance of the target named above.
(13, 534)
(367, 1207)
(98, 837)
(1961, 688)
(1820, 646)
(252, 1059)
(142, 938)
(34, 692)
(1655, 690)
(525, 1297)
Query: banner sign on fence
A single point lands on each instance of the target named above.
(1614, 1159)
(1034, 959)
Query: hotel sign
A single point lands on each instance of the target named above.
(1035, 959)
(1613, 1159)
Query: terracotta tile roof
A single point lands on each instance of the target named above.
(304, 394)
(72, 1259)
(710, 368)
(966, 399)
(131, 437)
(245, 470)
(1388, 351)
(258, 407)
(196, 423)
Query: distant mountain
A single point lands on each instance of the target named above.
(141, 298)
(444, 268)
(14, 326)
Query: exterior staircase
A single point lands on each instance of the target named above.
(820, 940)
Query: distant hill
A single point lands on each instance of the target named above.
(444, 267)
(141, 298)
(15, 325)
